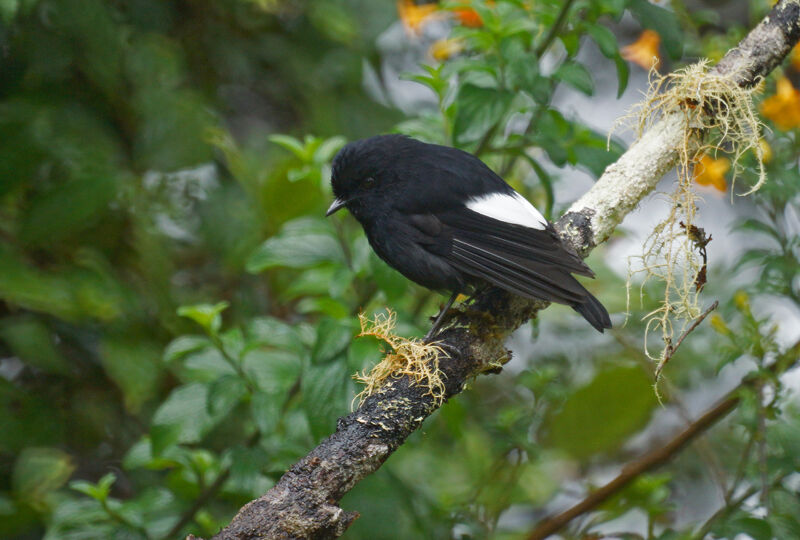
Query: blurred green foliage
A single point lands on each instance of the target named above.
(177, 319)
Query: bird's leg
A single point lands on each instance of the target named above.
(476, 291)
(440, 316)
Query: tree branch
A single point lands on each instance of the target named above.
(303, 504)
(672, 349)
(663, 453)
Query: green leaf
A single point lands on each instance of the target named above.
(71, 294)
(547, 184)
(363, 352)
(28, 419)
(184, 345)
(301, 243)
(315, 281)
(246, 472)
(173, 128)
(82, 518)
(599, 416)
(233, 343)
(327, 149)
(572, 43)
(206, 315)
(290, 143)
(622, 75)
(663, 21)
(783, 526)
(541, 90)
(478, 110)
(266, 410)
(756, 528)
(205, 365)
(432, 80)
(135, 367)
(333, 338)
(325, 392)
(522, 66)
(577, 76)
(8, 10)
(605, 39)
(783, 502)
(391, 282)
(39, 471)
(759, 226)
(274, 332)
(554, 129)
(153, 509)
(224, 394)
(324, 305)
(163, 436)
(32, 342)
(99, 491)
(592, 151)
(185, 408)
(299, 173)
(272, 371)
(74, 206)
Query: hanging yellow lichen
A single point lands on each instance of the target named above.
(408, 357)
(719, 116)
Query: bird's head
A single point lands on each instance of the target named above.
(363, 172)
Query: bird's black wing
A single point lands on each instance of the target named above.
(526, 261)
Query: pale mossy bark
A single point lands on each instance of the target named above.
(626, 182)
(304, 502)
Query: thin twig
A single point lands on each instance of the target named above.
(633, 470)
(740, 468)
(762, 445)
(724, 511)
(670, 350)
(207, 494)
(484, 144)
(119, 518)
(199, 503)
(555, 29)
(732, 505)
(702, 446)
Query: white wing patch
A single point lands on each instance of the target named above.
(509, 208)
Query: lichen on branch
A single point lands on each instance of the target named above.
(408, 357)
(718, 116)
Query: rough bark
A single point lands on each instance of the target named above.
(303, 504)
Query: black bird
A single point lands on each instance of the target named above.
(445, 220)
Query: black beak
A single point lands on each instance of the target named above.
(337, 205)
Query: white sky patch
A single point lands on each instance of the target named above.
(509, 208)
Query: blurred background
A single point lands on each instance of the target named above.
(177, 319)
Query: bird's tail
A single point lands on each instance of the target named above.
(594, 312)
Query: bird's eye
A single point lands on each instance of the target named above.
(369, 182)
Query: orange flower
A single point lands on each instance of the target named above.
(711, 172)
(783, 108)
(468, 17)
(644, 51)
(446, 48)
(794, 57)
(415, 16)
